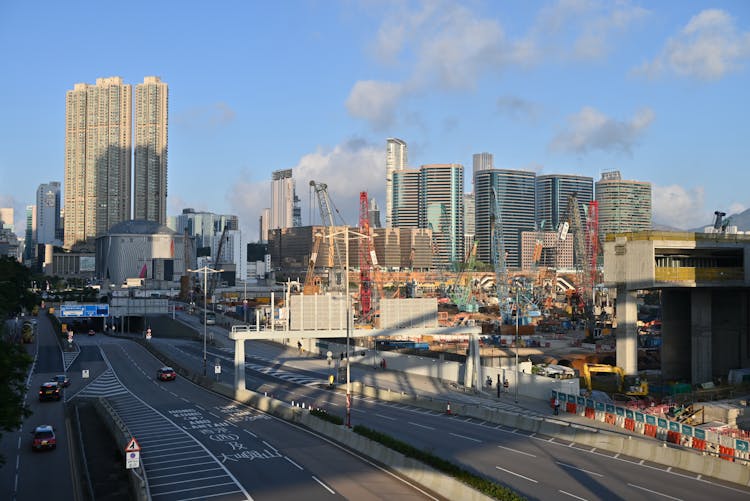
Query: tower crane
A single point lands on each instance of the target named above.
(312, 283)
(326, 216)
(582, 260)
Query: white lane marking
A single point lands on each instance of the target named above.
(517, 474)
(295, 464)
(566, 465)
(251, 433)
(422, 426)
(386, 417)
(324, 485)
(467, 438)
(572, 495)
(516, 450)
(191, 472)
(271, 447)
(654, 492)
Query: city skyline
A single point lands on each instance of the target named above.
(652, 90)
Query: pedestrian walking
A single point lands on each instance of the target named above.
(557, 406)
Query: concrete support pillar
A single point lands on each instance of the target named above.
(239, 366)
(675, 334)
(700, 335)
(627, 330)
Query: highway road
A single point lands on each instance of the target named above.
(538, 467)
(45, 474)
(199, 445)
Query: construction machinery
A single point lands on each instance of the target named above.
(460, 292)
(612, 379)
(312, 282)
(326, 217)
(499, 258)
(215, 276)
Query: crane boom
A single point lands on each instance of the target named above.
(498, 253)
(326, 216)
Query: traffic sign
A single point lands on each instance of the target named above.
(217, 369)
(132, 460)
(133, 446)
(85, 373)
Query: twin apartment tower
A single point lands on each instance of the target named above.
(100, 184)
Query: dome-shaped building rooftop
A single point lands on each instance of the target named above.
(140, 227)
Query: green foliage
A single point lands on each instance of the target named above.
(479, 483)
(15, 280)
(14, 362)
(331, 418)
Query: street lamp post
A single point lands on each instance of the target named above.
(205, 270)
(518, 313)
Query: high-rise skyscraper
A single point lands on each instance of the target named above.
(481, 161)
(405, 205)
(441, 209)
(30, 240)
(624, 206)
(48, 213)
(150, 168)
(282, 199)
(98, 153)
(552, 194)
(515, 194)
(395, 160)
(265, 221)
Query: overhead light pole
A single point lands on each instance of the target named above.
(358, 235)
(205, 270)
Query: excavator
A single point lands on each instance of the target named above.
(612, 379)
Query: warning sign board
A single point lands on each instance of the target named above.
(133, 446)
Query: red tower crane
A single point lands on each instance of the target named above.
(365, 274)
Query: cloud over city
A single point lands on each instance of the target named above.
(348, 168)
(590, 130)
(679, 207)
(709, 47)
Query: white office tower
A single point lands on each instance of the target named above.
(150, 168)
(48, 213)
(282, 199)
(395, 160)
(98, 152)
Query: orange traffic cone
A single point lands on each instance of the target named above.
(448, 408)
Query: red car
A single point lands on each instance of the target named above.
(49, 391)
(44, 438)
(166, 374)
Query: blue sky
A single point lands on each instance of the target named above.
(657, 90)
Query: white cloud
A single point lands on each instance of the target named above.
(708, 47)
(376, 102)
(679, 207)
(590, 130)
(736, 208)
(347, 169)
(444, 45)
(583, 29)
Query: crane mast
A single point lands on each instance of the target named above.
(326, 217)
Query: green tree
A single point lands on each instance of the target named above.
(14, 361)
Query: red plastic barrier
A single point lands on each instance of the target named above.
(649, 430)
(673, 437)
(610, 418)
(570, 408)
(726, 453)
(630, 424)
(590, 413)
(699, 443)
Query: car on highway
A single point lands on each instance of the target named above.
(44, 438)
(166, 374)
(49, 391)
(61, 379)
(92, 332)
